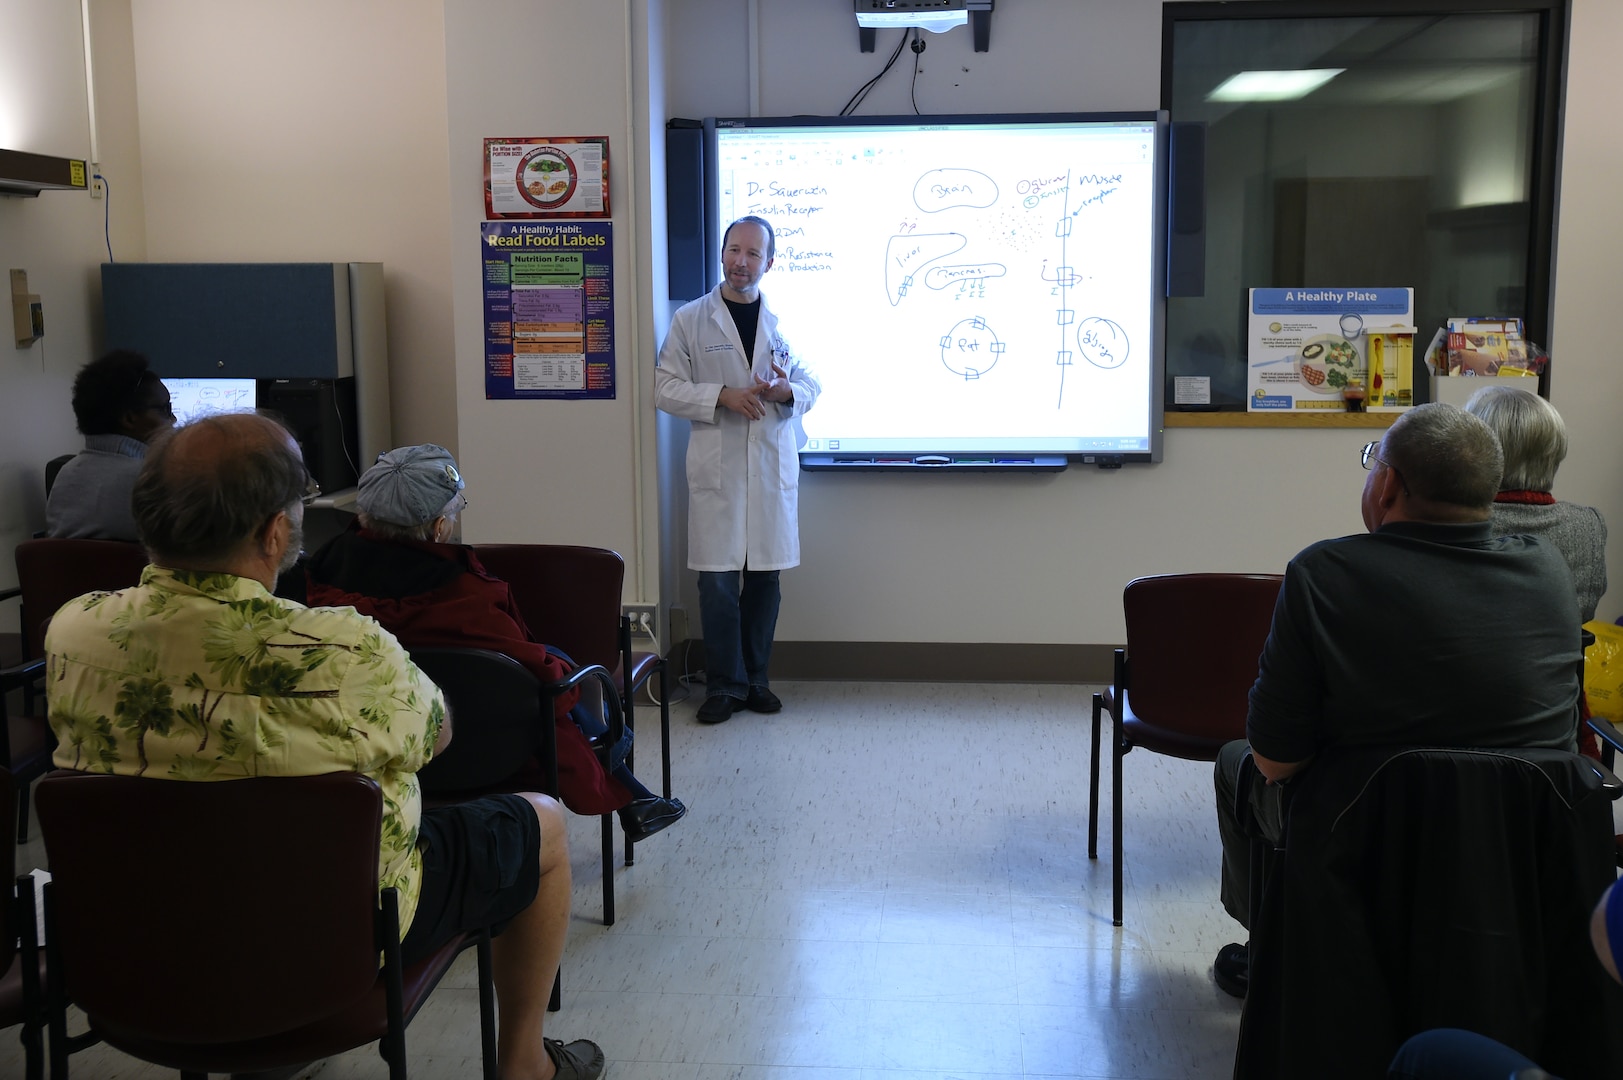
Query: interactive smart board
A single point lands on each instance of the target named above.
(982, 290)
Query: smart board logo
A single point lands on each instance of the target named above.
(1260, 400)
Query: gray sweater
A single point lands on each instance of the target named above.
(1578, 532)
(91, 497)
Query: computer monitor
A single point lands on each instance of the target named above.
(192, 398)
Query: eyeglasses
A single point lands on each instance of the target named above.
(312, 490)
(1367, 459)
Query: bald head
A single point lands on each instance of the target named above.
(212, 487)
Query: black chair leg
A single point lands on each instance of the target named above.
(665, 726)
(1115, 827)
(608, 868)
(1093, 785)
(487, 1008)
(556, 1001)
(22, 812)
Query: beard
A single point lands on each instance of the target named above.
(295, 545)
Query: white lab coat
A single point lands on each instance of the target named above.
(743, 475)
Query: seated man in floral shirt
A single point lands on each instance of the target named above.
(200, 674)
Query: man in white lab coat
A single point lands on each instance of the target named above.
(725, 368)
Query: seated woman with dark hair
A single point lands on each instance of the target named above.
(1534, 439)
(120, 405)
(396, 565)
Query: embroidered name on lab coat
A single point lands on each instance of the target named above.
(723, 347)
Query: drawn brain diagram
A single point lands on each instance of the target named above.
(1103, 343)
(970, 349)
(908, 254)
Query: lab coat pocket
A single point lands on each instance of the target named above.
(704, 460)
(788, 471)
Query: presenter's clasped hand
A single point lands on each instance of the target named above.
(744, 402)
(778, 389)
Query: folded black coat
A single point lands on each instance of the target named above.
(1421, 888)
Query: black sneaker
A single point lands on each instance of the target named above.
(762, 700)
(717, 707)
(1232, 969)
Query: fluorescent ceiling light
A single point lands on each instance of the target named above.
(937, 22)
(1272, 85)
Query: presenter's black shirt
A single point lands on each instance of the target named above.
(746, 317)
(1419, 634)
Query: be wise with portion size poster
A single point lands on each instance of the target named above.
(549, 309)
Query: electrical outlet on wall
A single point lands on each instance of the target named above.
(644, 619)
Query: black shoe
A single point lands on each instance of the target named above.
(1232, 969)
(645, 817)
(762, 700)
(578, 1060)
(718, 707)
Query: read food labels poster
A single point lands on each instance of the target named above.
(547, 178)
(1305, 345)
(549, 309)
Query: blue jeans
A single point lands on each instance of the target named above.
(738, 625)
(1452, 1054)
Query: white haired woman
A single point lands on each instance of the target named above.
(1534, 439)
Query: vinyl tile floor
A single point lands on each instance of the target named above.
(886, 881)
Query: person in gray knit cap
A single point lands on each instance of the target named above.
(1534, 439)
(397, 564)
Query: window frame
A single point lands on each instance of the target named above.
(1543, 181)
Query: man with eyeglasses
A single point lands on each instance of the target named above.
(1426, 630)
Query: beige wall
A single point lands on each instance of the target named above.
(576, 472)
(310, 130)
(58, 237)
(1586, 381)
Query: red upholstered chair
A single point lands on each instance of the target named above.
(570, 598)
(1181, 684)
(51, 572)
(21, 995)
(289, 864)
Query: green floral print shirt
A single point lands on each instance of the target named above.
(205, 676)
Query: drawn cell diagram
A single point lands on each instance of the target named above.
(907, 255)
(970, 349)
(944, 277)
(1102, 343)
(947, 189)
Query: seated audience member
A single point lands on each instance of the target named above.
(395, 565)
(1534, 439)
(1426, 630)
(1453, 1054)
(121, 405)
(199, 673)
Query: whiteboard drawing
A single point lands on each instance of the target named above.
(1102, 342)
(970, 349)
(946, 189)
(942, 277)
(906, 255)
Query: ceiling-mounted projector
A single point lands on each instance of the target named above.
(937, 16)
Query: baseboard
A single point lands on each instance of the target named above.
(925, 661)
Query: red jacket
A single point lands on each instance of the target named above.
(439, 596)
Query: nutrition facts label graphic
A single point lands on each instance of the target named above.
(549, 310)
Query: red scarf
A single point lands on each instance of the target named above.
(1533, 498)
